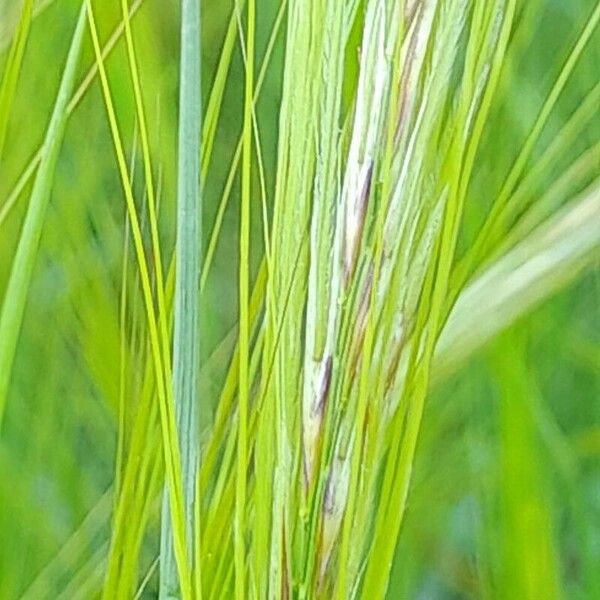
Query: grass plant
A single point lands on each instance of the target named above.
(312, 280)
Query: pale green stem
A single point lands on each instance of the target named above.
(186, 318)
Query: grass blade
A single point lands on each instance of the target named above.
(186, 318)
(547, 260)
(531, 567)
(13, 68)
(24, 262)
(244, 326)
(171, 449)
(76, 98)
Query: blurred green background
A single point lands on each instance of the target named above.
(508, 466)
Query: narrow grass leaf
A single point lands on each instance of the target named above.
(164, 388)
(187, 273)
(12, 70)
(15, 297)
(244, 321)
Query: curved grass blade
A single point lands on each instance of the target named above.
(544, 262)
